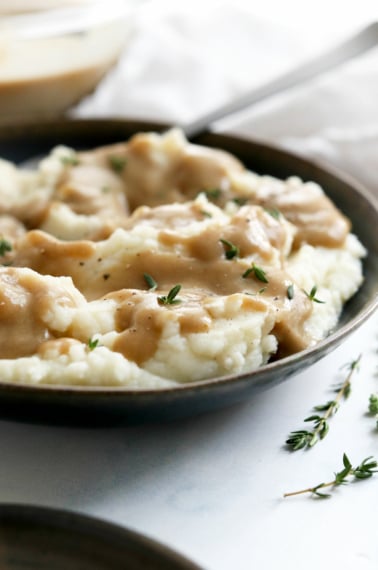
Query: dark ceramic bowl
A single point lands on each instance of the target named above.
(97, 406)
(49, 539)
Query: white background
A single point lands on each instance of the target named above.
(211, 487)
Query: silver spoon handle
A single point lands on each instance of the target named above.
(353, 47)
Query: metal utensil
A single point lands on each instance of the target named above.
(358, 44)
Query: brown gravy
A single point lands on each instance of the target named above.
(153, 174)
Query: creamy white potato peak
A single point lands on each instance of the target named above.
(156, 261)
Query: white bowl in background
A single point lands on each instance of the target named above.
(50, 58)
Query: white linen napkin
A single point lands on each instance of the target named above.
(333, 119)
(184, 61)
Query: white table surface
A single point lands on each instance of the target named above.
(212, 486)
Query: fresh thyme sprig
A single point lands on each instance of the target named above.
(364, 470)
(240, 201)
(290, 292)
(170, 299)
(373, 404)
(312, 295)
(258, 272)
(230, 250)
(301, 439)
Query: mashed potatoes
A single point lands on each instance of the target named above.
(158, 262)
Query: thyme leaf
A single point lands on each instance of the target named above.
(258, 272)
(312, 295)
(5, 246)
(152, 285)
(240, 201)
(93, 343)
(117, 163)
(230, 250)
(373, 404)
(364, 470)
(71, 160)
(170, 299)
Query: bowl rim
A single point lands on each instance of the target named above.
(334, 337)
(111, 532)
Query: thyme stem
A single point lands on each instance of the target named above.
(308, 490)
(364, 470)
(301, 439)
